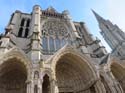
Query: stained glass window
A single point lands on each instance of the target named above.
(63, 42)
(45, 44)
(51, 44)
(57, 43)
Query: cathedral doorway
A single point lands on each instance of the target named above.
(46, 84)
(13, 75)
(73, 75)
(119, 73)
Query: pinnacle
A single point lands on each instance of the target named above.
(98, 17)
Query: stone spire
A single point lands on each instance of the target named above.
(113, 35)
(98, 17)
(106, 33)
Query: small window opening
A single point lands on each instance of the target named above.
(20, 32)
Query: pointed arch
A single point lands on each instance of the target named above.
(48, 72)
(46, 84)
(20, 32)
(73, 72)
(69, 50)
(22, 22)
(47, 77)
(17, 54)
(28, 23)
(15, 70)
(118, 72)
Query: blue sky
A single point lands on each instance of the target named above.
(80, 10)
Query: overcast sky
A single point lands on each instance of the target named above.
(80, 10)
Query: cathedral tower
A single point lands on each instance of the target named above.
(47, 52)
(113, 35)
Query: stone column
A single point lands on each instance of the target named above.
(32, 87)
(99, 87)
(29, 86)
(39, 86)
(114, 85)
(54, 87)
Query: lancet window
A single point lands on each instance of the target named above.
(54, 36)
(24, 28)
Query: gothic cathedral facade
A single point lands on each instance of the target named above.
(47, 52)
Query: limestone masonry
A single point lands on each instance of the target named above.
(47, 52)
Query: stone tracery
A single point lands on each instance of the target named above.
(66, 71)
(54, 28)
(54, 36)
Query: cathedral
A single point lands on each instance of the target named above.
(47, 52)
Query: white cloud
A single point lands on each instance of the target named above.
(116, 11)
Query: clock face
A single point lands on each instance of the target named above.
(54, 28)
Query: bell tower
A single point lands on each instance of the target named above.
(113, 35)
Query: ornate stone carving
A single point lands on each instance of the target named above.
(36, 75)
(54, 28)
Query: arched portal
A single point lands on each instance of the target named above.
(74, 75)
(46, 84)
(119, 73)
(13, 75)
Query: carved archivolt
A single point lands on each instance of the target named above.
(118, 72)
(15, 71)
(18, 54)
(78, 67)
